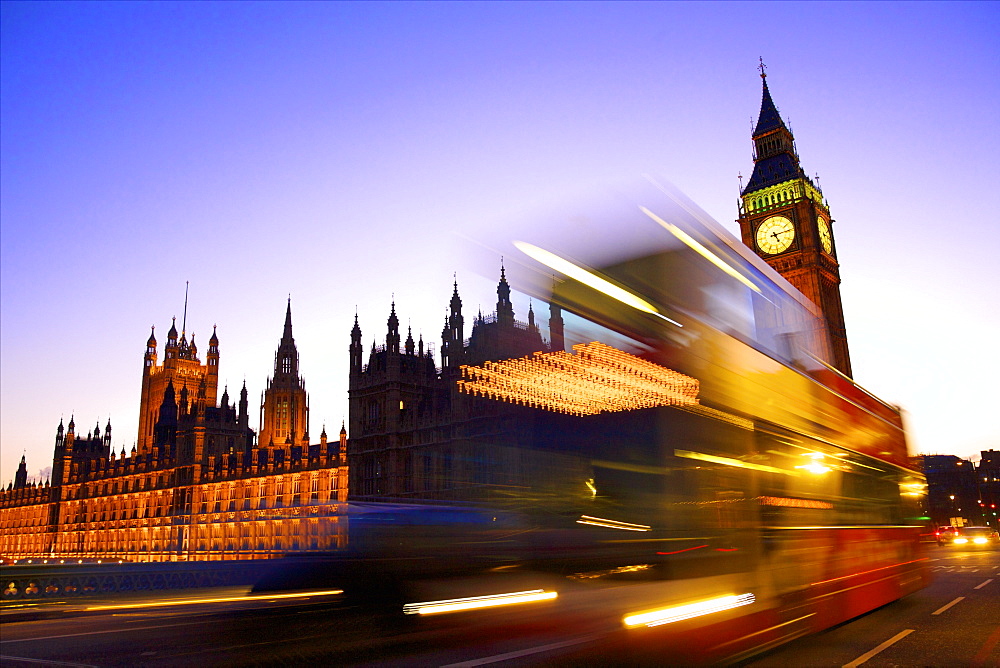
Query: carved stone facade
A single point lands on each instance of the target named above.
(415, 436)
(198, 485)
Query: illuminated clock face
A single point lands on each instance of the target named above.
(775, 235)
(825, 238)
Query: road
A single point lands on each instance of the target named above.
(954, 622)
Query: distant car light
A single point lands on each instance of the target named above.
(961, 540)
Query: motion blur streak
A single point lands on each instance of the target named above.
(471, 603)
(691, 243)
(611, 524)
(566, 267)
(689, 611)
(726, 461)
(228, 599)
(687, 549)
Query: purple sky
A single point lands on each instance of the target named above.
(332, 151)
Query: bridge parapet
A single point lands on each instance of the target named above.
(66, 580)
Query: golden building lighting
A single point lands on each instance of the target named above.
(595, 378)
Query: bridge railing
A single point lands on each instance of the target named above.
(40, 581)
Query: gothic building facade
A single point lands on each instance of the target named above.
(786, 220)
(414, 434)
(198, 484)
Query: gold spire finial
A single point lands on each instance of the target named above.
(762, 67)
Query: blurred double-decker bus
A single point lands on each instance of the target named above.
(679, 478)
(723, 486)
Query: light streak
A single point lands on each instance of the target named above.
(691, 610)
(818, 469)
(611, 524)
(687, 549)
(588, 278)
(227, 599)
(475, 602)
(783, 501)
(727, 461)
(594, 378)
(697, 247)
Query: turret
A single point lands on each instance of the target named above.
(446, 344)
(284, 410)
(244, 414)
(213, 351)
(505, 309)
(355, 349)
(21, 477)
(453, 336)
(392, 337)
(455, 321)
(409, 341)
(149, 360)
(171, 349)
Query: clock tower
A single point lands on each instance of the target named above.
(786, 220)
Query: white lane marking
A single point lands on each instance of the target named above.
(523, 652)
(983, 584)
(7, 657)
(96, 633)
(867, 655)
(945, 607)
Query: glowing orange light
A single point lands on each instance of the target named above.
(474, 602)
(597, 378)
(793, 503)
(680, 612)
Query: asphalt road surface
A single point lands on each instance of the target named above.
(954, 622)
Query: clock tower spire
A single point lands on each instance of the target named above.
(786, 220)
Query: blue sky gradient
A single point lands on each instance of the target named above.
(334, 151)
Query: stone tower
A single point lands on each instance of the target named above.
(284, 407)
(786, 220)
